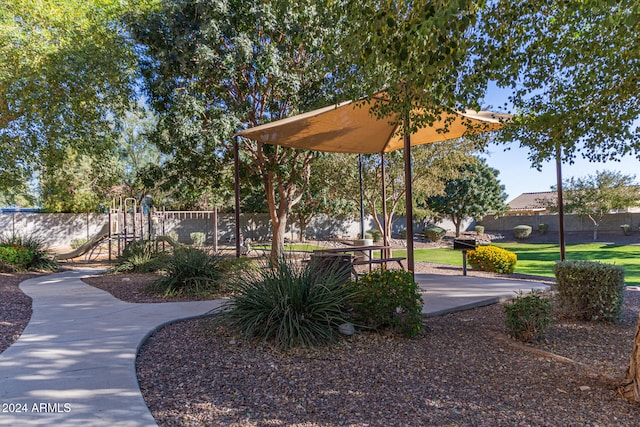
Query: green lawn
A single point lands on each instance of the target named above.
(538, 258)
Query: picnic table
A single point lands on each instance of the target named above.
(362, 255)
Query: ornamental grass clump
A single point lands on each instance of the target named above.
(191, 272)
(493, 259)
(589, 290)
(388, 298)
(288, 304)
(528, 317)
(140, 256)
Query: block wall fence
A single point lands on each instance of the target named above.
(57, 230)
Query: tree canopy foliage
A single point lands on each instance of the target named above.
(573, 69)
(214, 68)
(66, 70)
(474, 194)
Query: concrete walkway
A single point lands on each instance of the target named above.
(74, 365)
(447, 294)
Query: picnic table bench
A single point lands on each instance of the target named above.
(363, 255)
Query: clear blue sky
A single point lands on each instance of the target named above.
(519, 177)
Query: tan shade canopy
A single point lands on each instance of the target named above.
(351, 128)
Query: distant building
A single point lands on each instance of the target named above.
(532, 203)
(539, 203)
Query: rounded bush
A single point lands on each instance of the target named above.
(492, 258)
(479, 229)
(543, 228)
(388, 298)
(522, 231)
(15, 257)
(434, 233)
(528, 317)
(589, 290)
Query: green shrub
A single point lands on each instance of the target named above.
(77, 242)
(590, 290)
(190, 271)
(14, 258)
(543, 228)
(479, 229)
(388, 298)
(528, 317)
(41, 258)
(140, 256)
(626, 229)
(492, 258)
(403, 234)
(198, 238)
(376, 235)
(289, 304)
(522, 231)
(434, 233)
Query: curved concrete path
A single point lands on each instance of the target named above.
(74, 365)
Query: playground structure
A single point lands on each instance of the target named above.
(129, 221)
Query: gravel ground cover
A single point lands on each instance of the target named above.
(463, 370)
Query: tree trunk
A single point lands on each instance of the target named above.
(277, 241)
(457, 223)
(595, 233)
(629, 388)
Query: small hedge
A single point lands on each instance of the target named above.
(522, 231)
(492, 258)
(15, 257)
(388, 298)
(589, 290)
(434, 233)
(528, 317)
(479, 229)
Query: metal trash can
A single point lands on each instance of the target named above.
(336, 265)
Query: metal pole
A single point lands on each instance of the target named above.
(385, 237)
(408, 194)
(360, 166)
(560, 202)
(215, 229)
(236, 177)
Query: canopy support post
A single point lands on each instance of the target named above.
(385, 238)
(236, 178)
(408, 195)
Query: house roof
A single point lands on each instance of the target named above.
(532, 202)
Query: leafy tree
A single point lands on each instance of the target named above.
(474, 194)
(214, 68)
(82, 183)
(66, 70)
(573, 68)
(594, 196)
